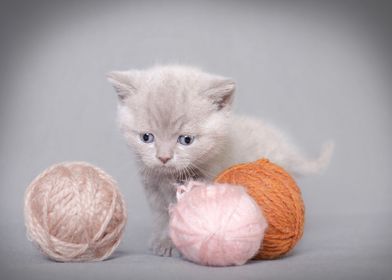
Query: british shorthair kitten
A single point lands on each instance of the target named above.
(178, 121)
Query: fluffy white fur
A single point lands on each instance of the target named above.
(169, 101)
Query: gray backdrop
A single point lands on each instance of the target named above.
(319, 71)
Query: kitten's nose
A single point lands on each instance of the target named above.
(164, 159)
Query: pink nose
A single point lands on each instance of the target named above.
(164, 159)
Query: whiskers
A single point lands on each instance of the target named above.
(193, 171)
(206, 174)
(186, 171)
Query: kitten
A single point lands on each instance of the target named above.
(177, 120)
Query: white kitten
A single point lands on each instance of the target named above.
(177, 120)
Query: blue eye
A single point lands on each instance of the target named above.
(147, 137)
(185, 139)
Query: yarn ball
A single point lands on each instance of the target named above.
(75, 212)
(216, 225)
(279, 197)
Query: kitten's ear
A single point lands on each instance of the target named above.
(124, 82)
(221, 92)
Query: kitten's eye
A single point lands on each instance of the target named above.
(147, 137)
(185, 139)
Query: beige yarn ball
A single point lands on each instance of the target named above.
(75, 212)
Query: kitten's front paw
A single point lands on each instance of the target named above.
(164, 247)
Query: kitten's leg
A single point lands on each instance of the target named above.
(160, 242)
(159, 197)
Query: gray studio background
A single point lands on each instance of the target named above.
(319, 71)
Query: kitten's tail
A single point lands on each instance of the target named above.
(303, 166)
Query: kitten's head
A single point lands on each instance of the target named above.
(174, 117)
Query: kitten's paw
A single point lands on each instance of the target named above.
(164, 247)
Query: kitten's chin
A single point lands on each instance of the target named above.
(171, 170)
(164, 169)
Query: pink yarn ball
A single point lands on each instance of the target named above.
(217, 225)
(75, 212)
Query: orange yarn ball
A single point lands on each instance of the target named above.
(280, 199)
